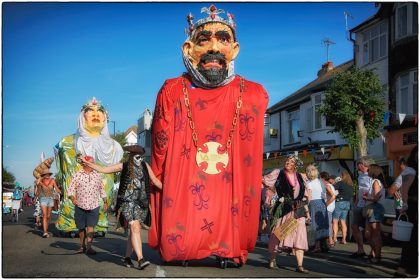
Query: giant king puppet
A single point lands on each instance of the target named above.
(208, 129)
(92, 138)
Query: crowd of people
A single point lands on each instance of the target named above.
(206, 151)
(330, 199)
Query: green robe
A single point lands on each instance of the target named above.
(67, 166)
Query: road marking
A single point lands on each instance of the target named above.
(160, 272)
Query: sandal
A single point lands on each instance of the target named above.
(272, 264)
(81, 250)
(301, 269)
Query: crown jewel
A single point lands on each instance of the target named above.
(213, 16)
(94, 102)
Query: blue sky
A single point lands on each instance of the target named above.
(56, 56)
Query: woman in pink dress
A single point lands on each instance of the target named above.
(291, 191)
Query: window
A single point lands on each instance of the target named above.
(407, 93)
(294, 126)
(267, 129)
(406, 20)
(402, 21)
(375, 43)
(317, 116)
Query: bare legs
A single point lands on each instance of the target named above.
(343, 230)
(86, 237)
(358, 236)
(134, 240)
(46, 217)
(375, 239)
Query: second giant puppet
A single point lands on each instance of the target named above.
(208, 129)
(92, 138)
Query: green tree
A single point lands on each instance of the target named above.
(8, 176)
(120, 138)
(354, 106)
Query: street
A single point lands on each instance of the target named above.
(26, 254)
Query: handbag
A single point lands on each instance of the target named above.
(367, 211)
(287, 227)
(300, 208)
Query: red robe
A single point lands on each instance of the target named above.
(198, 214)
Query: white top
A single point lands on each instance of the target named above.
(331, 207)
(365, 184)
(406, 172)
(316, 188)
(382, 191)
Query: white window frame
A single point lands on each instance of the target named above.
(267, 121)
(410, 30)
(411, 108)
(368, 37)
(291, 117)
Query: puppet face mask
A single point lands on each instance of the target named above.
(211, 49)
(94, 119)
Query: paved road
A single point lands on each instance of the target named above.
(26, 254)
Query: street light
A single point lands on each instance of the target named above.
(113, 122)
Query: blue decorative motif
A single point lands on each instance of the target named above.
(179, 122)
(227, 177)
(246, 132)
(248, 160)
(247, 205)
(185, 152)
(213, 137)
(235, 209)
(198, 190)
(167, 202)
(173, 240)
(201, 104)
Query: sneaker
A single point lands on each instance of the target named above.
(142, 264)
(45, 235)
(128, 263)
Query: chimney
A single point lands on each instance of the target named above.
(326, 67)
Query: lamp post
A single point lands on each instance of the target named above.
(113, 122)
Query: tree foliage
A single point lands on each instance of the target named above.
(354, 106)
(8, 176)
(120, 138)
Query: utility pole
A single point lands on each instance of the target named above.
(346, 16)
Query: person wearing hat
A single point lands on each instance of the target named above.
(45, 194)
(133, 197)
(208, 130)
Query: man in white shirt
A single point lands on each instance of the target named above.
(364, 184)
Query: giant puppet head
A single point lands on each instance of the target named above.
(93, 116)
(211, 48)
(92, 137)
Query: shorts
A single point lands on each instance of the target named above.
(133, 211)
(341, 210)
(16, 204)
(378, 214)
(358, 218)
(46, 201)
(86, 218)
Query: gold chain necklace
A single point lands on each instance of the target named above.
(212, 157)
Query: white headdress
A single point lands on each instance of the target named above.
(102, 148)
